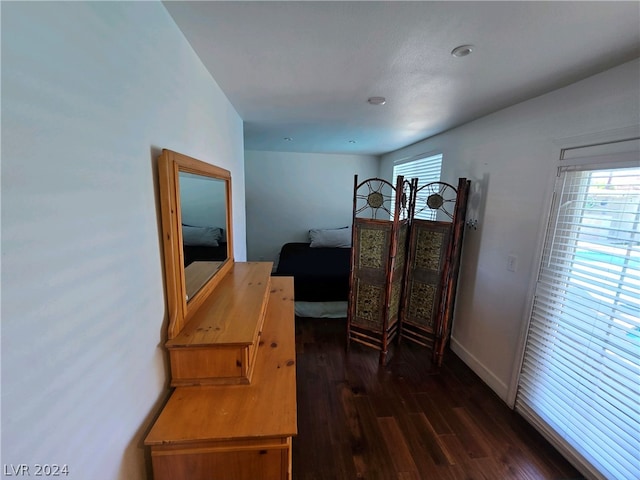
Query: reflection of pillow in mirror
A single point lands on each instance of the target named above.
(201, 236)
(330, 237)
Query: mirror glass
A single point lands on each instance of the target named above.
(203, 212)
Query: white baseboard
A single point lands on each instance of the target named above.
(487, 376)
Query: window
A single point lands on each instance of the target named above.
(580, 378)
(426, 170)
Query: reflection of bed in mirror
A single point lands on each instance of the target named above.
(203, 244)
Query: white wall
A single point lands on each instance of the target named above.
(290, 193)
(510, 158)
(90, 94)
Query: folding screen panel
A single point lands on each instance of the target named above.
(433, 264)
(377, 262)
(428, 258)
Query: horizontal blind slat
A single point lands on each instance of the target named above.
(581, 366)
(578, 412)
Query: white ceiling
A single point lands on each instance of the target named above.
(304, 70)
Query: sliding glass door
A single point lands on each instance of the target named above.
(580, 378)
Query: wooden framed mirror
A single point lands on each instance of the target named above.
(195, 204)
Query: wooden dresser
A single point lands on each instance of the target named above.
(232, 414)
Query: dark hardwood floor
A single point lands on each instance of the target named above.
(406, 420)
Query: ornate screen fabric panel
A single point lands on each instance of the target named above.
(371, 252)
(428, 248)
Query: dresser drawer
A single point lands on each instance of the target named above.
(270, 461)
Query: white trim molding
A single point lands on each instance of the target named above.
(487, 376)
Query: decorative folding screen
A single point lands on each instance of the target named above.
(404, 271)
(377, 262)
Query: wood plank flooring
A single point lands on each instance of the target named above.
(405, 421)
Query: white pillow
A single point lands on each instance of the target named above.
(201, 236)
(330, 237)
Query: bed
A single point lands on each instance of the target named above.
(320, 278)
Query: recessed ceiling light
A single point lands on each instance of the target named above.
(377, 100)
(462, 51)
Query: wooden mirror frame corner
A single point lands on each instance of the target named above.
(170, 164)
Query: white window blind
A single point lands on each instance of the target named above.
(426, 170)
(580, 378)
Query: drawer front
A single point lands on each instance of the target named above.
(271, 463)
(191, 366)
